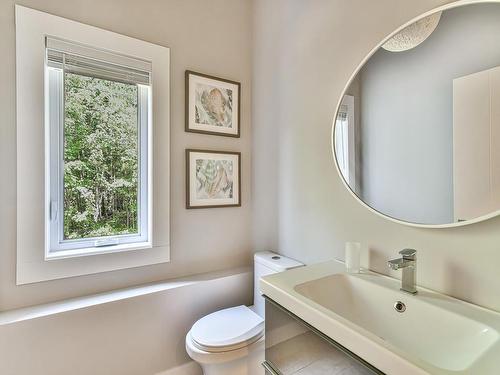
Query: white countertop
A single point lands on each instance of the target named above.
(281, 288)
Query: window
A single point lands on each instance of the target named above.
(97, 107)
(344, 140)
(93, 149)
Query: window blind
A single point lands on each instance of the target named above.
(88, 61)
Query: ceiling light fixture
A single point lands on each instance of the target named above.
(412, 35)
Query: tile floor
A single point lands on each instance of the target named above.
(309, 354)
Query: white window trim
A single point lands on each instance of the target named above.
(348, 101)
(32, 265)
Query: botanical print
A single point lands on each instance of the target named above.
(213, 105)
(214, 179)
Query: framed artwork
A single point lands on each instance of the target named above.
(213, 179)
(212, 105)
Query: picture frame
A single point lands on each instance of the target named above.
(213, 179)
(212, 105)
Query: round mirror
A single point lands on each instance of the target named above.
(417, 131)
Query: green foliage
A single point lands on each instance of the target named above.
(100, 157)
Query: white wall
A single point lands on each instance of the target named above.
(211, 37)
(265, 136)
(407, 109)
(303, 53)
(140, 335)
(143, 335)
(302, 60)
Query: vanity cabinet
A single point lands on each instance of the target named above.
(295, 347)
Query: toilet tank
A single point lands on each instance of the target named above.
(266, 263)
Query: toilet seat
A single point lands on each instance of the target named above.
(227, 330)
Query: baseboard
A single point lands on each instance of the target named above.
(189, 368)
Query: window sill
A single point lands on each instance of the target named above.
(67, 305)
(32, 267)
(65, 254)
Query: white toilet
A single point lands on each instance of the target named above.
(231, 341)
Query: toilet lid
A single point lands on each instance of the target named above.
(227, 329)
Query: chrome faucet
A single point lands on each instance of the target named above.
(408, 263)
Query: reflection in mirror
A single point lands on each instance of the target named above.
(417, 134)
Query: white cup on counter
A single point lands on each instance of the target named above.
(352, 256)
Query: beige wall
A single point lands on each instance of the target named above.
(265, 113)
(316, 45)
(303, 53)
(143, 335)
(213, 37)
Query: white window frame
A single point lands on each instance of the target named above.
(35, 260)
(56, 245)
(346, 139)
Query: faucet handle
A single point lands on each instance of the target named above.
(408, 253)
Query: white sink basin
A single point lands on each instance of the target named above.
(441, 337)
(436, 334)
